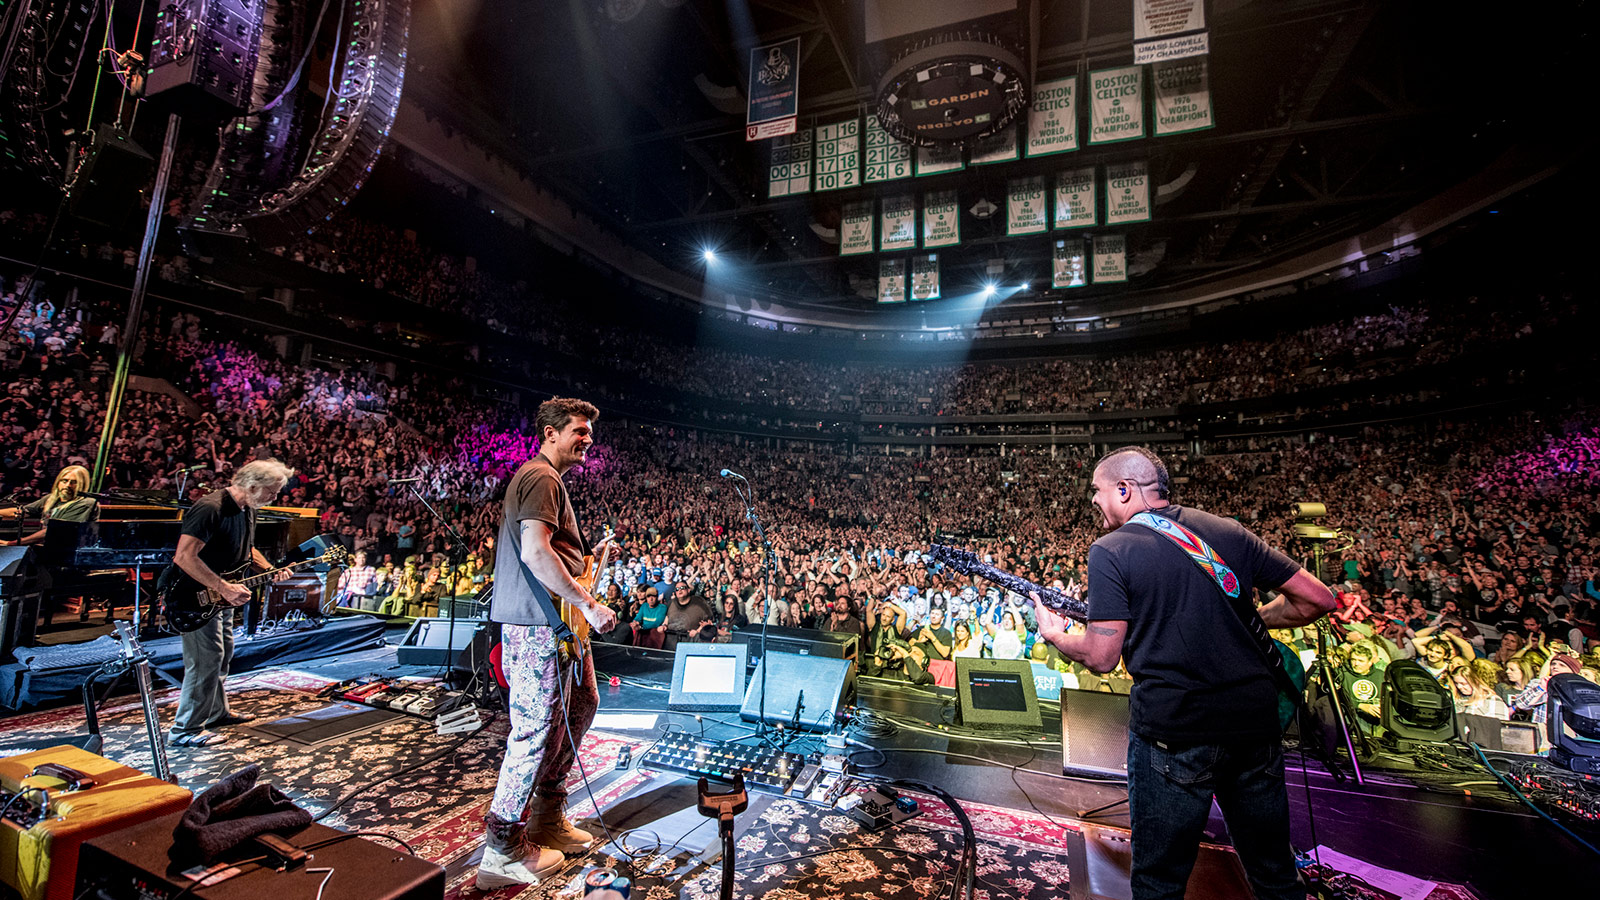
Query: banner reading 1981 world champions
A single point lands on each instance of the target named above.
(1116, 105)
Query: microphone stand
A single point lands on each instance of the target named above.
(458, 556)
(767, 571)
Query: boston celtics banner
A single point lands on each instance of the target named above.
(855, 229)
(790, 172)
(1162, 18)
(887, 158)
(1053, 119)
(838, 155)
(899, 229)
(1183, 95)
(1127, 193)
(1116, 105)
(934, 160)
(1075, 205)
(925, 277)
(891, 281)
(997, 148)
(941, 219)
(1110, 259)
(1025, 206)
(1069, 270)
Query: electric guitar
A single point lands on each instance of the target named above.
(135, 657)
(589, 580)
(1282, 656)
(188, 605)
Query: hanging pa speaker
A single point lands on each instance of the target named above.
(107, 189)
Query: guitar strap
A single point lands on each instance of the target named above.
(1217, 571)
(541, 594)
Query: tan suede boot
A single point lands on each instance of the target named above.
(509, 859)
(548, 826)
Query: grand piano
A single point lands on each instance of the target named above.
(137, 537)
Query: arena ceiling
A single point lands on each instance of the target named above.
(1332, 115)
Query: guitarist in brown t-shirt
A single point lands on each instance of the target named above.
(553, 695)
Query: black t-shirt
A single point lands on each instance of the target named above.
(227, 529)
(1198, 675)
(943, 636)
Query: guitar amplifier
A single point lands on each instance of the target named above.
(41, 862)
(297, 592)
(133, 863)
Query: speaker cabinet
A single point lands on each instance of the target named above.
(1094, 733)
(807, 690)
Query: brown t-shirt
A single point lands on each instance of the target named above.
(536, 493)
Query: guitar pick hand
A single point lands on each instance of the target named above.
(234, 594)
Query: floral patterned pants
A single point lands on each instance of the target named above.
(543, 741)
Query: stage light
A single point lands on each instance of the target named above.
(989, 289)
(1417, 709)
(709, 255)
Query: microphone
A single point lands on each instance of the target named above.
(729, 473)
(194, 468)
(404, 480)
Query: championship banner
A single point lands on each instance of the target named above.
(1164, 18)
(1075, 201)
(855, 229)
(1025, 206)
(891, 281)
(934, 160)
(774, 91)
(1053, 118)
(996, 148)
(925, 277)
(790, 172)
(1183, 95)
(887, 158)
(1110, 259)
(941, 219)
(1116, 105)
(838, 155)
(1069, 269)
(1127, 193)
(899, 228)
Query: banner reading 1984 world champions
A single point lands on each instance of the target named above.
(1053, 118)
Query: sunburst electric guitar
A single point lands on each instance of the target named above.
(590, 579)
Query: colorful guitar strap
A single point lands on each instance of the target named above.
(1195, 546)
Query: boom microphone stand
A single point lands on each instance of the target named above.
(748, 496)
(458, 555)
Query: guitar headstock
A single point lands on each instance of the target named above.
(336, 554)
(127, 640)
(963, 561)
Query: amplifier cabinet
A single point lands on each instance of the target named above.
(133, 863)
(41, 862)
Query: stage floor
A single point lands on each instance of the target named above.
(401, 777)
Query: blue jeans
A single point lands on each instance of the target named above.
(1169, 800)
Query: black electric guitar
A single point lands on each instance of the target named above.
(1279, 656)
(187, 604)
(135, 657)
(967, 563)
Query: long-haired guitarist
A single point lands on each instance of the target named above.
(1203, 715)
(218, 535)
(553, 696)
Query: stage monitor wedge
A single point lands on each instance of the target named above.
(802, 691)
(707, 677)
(997, 693)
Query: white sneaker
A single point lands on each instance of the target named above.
(498, 870)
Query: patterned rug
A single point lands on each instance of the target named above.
(406, 780)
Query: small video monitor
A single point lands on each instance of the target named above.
(708, 677)
(997, 693)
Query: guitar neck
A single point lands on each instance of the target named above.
(254, 580)
(1071, 607)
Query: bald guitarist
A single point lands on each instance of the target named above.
(539, 558)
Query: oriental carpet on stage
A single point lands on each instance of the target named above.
(431, 790)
